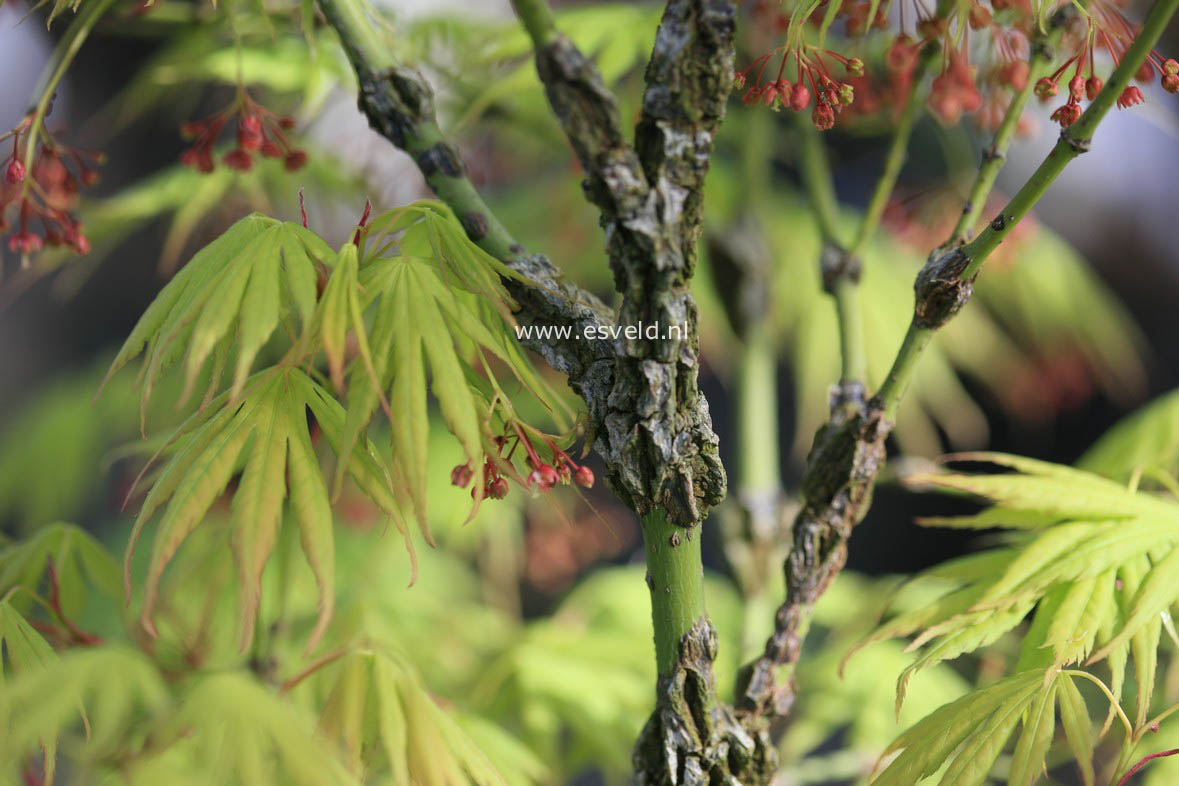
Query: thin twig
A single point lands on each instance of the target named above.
(1143, 762)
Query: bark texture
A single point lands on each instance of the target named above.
(656, 435)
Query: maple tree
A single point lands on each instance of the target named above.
(300, 380)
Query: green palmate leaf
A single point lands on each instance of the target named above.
(264, 436)
(23, 647)
(23, 650)
(386, 724)
(233, 293)
(76, 558)
(1148, 438)
(925, 747)
(242, 733)
(434, 313)
(1027, 762)
(1074, 718)
(99, 695)
(1094, 560)
(964, 738)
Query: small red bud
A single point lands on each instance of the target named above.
(902, 55)
(738, 81)
(823, 117)
(1131, 96)
(238, 159)
(1076, 87)
(461, 475)
(800, 97)
(80, 243)
(1067, 115)
(295, 160)
(1093, 86)
(979, 17)
(24, 242)
(16, 171)
(544, 477)
(286, 123)
(933, 27)
(1171, 66)
(584, 477)
(497, 489)
(1015, 75)
(249, 133)
(1046, 88)
(855, 66)
(1171, 83)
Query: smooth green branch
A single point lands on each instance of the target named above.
(1074, 140)
(71, 44)
(897, 151)
(995, 154)
(840, 269)
(946, 281)
(537, 18)
(818, 181)
(903, 369)
(675, 576)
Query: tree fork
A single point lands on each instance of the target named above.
(849, 450)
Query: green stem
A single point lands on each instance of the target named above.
(898, 151)
(537, 18)
(758, 476)
(675, 576)
(1073, 141)
(854, 366)
(819, 183)
(816, 176)
(372, 59)
(903, 367)
(758, 469)
(71, 44)
(994, 155)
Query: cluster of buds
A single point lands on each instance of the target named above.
(258, 131)
(1104, 28)
(954, 92)
(43, 192)
(812, 78)
(543, 475)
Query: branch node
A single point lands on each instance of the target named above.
(837, 264)
(1078, 146)
(440, 159)
(940, 292)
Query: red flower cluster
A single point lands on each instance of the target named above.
(43, 193)
(831, 95)
(258, 131)
(1103, 28)
(983, 88)
(543, 476)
